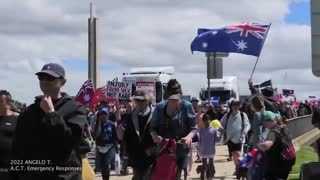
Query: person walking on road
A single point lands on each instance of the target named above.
(236, 125)
(280, 152)
(140, 148)
(174, 119)
(208, 137)
(51, 130)
(8, 121)
(106, 141)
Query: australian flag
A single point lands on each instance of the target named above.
(246, 38)
(215, 100)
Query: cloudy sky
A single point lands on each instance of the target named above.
(151, 33)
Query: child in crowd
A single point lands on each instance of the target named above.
(208, 137)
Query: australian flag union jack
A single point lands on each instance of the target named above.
(246, 38)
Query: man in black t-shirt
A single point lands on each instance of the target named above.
(8, 121)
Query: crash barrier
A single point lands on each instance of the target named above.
(302, 131)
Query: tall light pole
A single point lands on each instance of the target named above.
(93, 58)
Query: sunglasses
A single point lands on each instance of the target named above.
(46, 78)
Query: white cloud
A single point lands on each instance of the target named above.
(147, 33)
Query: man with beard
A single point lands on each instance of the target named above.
(51, 129)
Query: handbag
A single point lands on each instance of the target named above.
(166, 163)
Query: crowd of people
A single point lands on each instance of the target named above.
(155, 140)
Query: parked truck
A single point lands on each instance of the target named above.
(152, 80)
(227, 89)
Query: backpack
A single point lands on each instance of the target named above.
(286, 147)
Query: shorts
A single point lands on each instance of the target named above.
(108, 157)
(233, 147)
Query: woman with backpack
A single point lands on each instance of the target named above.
(280, 153)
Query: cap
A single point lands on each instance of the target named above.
(52, 69)
(174, 90)
(140, 95)
(194, 99)
(105, 111)
(269, 116)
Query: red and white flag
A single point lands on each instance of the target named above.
(86, 93)
(100, 95)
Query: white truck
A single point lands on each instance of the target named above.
(227, 89)
(153, 80)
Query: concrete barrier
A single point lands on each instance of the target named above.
(299, 126)
(302, 131)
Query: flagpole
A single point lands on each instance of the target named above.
(264, 39)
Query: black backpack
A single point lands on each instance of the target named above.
(288, 152)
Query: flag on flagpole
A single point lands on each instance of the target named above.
(246, 38)
(264, 84)
(100, 95)
(288, 92)
(85, 93)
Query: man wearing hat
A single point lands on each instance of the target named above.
(195, 101)
(139, 145)
(50, 130)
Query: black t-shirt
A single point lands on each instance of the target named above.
(7, 128)
(273, 158)
(142, 123)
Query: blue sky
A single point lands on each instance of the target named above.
(299, 13)
(83, 64)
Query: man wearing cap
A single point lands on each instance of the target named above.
(174, 119)
(139, 145)
(280, 152)
(50, 130)
(106, 141)
(195, 101)
(236, 125)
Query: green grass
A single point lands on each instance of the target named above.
(293, 177)
(304, 155)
